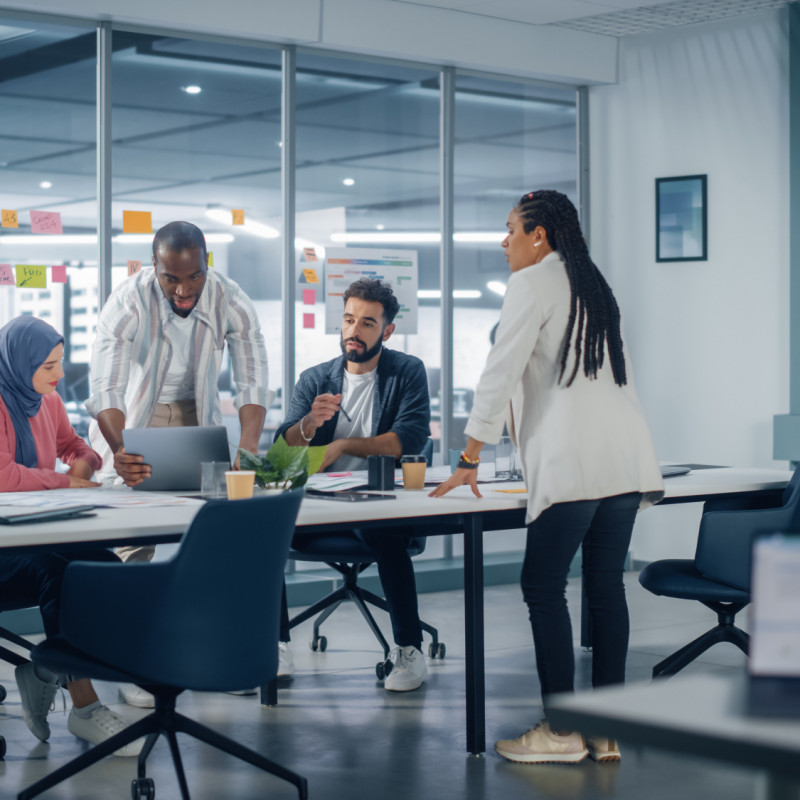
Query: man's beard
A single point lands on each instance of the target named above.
(360, 357)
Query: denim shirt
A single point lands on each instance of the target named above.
(402, 405)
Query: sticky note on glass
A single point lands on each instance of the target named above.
(308, 320)
(45, 222)
(210, 258)
(309, 297)
(7, 275)
(58, 273)
(134, 267)
(32, 276)
(310, 253)
(237, 215)
(310, 275)
(9, 218)
(137, 222)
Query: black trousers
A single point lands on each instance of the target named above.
(396, 572)
(602, 528)
(34, 579)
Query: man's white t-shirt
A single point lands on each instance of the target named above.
(179, 380)
(358, 399)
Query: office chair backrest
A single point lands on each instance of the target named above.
(210, 614)
(725, 539)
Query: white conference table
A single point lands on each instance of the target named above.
(459, 510)
(699, 715)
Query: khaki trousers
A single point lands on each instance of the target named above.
(179, 414)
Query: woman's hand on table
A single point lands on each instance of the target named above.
(81, 483)
(80, 474)
(458, 478)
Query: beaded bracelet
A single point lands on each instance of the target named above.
(305, 438)
(465, 462)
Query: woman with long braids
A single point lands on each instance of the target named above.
(558, 375)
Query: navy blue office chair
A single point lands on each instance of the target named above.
(206, 620)
(350, 556)
(719, 574)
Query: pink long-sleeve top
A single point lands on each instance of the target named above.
(54, 438)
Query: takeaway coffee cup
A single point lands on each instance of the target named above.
(413, 471)
(240, 483)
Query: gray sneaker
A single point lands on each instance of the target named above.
(102, 725)
(409, 670)
(602, 749)
(36, 697)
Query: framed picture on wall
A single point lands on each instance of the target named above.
(681, 218)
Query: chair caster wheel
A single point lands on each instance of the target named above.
(143, 789)
(436, 650)
(383, 668)
(318, 644)
(2, 748)
(3, 693)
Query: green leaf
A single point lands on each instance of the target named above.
(283, 464)
(316, 455)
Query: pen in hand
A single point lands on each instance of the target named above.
(341, 408)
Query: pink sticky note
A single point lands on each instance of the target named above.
(308, 320)
(7, 277)
(58, 273)
(45, 222)
(309, 297)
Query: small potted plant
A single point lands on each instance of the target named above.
(284, 466)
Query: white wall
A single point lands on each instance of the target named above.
(378, 27)
(709, 340)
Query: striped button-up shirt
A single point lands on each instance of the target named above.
(132, 352)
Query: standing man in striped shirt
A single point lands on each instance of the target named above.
(160, 341)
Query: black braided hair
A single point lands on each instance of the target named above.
(592, 300)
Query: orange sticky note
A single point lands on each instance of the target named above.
(137, 222)
(9, 218)
(32, 276)
(238, 216)
(58, 273)
(310, 253)
(134, 267)
(310, 276)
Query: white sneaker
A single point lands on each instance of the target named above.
(135, 696)
(540, 745)
(102, 725)
(409, 670)
(36, 697)
(285, 660)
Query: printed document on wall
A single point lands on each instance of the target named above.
(343, 265)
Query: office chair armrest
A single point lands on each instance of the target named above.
(725, 539)
(91, 621)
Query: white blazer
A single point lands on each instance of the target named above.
(583, 442)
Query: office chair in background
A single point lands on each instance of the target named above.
(350, 556)
(719, 574)
(205, 620)
(10, 656)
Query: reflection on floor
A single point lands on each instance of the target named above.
(337, 726)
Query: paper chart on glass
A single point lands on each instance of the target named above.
(120, 497)
(338, 481)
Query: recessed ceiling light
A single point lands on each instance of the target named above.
(45, 184)
(379, 227)
(348, 181)
(498, 287)
(191, 89)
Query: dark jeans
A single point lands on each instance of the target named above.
(397, 578)
(603, 529)
(35, 580)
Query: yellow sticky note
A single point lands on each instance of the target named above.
(512, 491)
(31, 276)
(137, 222)
(238, 216)
(210, 258)
(310, 276)
(9, 218)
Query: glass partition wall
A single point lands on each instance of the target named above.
(196, 135)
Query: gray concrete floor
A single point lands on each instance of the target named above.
(337, 726)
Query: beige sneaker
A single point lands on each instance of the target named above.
(540, 745)
(602, 749)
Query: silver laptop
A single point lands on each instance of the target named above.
(774, 663)
(175, 454)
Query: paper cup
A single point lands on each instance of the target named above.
(413, 472)
(240, 483)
